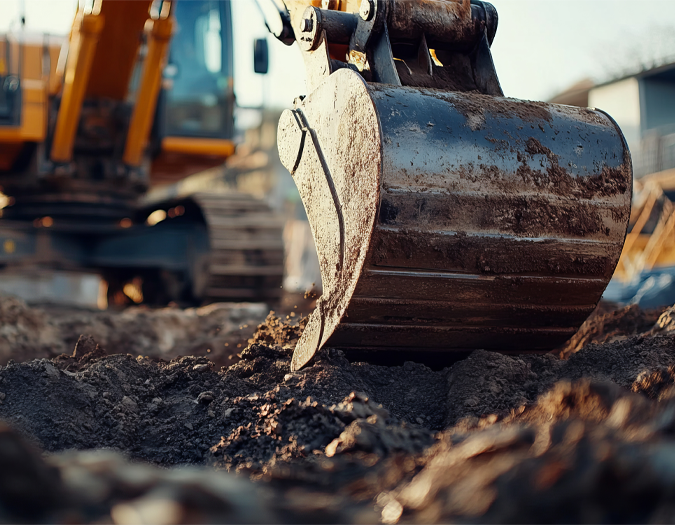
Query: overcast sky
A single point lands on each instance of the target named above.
(541, 47)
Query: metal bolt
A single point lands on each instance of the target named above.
(367, 9)
(307, 25)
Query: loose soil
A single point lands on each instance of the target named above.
(218, 330)
(581, 434)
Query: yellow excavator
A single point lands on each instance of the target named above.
(140, 95)
(446, 216)
(650, 245)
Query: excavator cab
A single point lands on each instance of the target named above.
(10, 100)
(199, 95)
(10, 85)
(194, 123)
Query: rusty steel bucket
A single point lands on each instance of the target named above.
(451, 221)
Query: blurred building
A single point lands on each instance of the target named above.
(643, 104)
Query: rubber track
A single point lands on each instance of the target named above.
(247, 248)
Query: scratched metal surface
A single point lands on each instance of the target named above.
(460, 221)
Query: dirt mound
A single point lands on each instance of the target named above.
(26, 333)
(174, 412)
(218, 330)
(104, 487)
(182, 408)
(607, 324)
(491, 438)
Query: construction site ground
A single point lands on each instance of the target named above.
(193, 416)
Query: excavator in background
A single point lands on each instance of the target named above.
(645, 274)
(446, 216)
(141, 95)
(650, 243)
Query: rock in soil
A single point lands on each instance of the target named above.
(493, 438)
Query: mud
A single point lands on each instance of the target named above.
(607, 324)
(509, 214)
(611, 181)
(494, 256)
(492, 438)
(218, 331)
(471, 103)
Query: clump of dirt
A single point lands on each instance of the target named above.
(658, 384)
(607, 324)
(29, 488)
(275, 332)
(585, 451)
(297, 429)
(181, 409)
(666, 321)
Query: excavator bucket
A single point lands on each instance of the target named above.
(446, 216)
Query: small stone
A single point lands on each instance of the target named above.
(205, 398)
(471, 402)
(51, 371)
(200, 368)
(130, 404)
(188, 426)
(420, 421)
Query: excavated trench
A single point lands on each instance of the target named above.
(116, 432)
